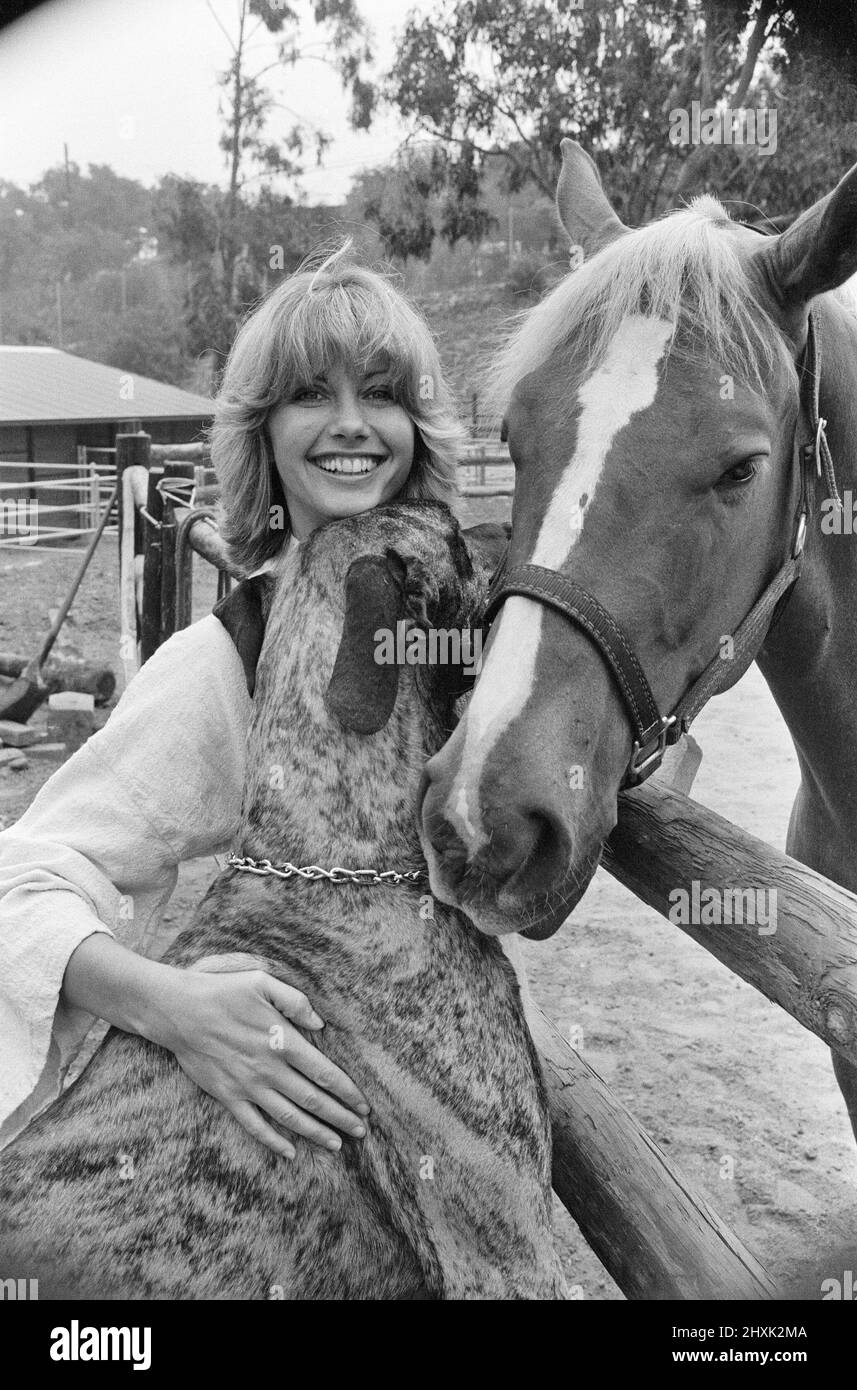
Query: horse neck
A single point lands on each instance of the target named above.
(810, 658)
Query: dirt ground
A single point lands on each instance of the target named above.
(708, 1065)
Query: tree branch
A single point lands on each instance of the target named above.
(219, 24)
(754, 48)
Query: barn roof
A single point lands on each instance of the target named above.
(43, 385)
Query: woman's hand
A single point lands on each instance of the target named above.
(230, 1033)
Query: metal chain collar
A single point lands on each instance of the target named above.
(369, 877)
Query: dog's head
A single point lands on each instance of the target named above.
(409, 586)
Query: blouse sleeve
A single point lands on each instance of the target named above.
(99, 848)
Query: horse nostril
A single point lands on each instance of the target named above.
(529, 851)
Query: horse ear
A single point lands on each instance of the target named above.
(819, 251)
(243, 613)
(362, 692)
(583, 206)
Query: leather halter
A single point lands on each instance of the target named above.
(655, 732)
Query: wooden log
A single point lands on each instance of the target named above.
(195, 453)
(209, 543)
(150, 618)
(67, 673)
(655, 1235)
(665, 844)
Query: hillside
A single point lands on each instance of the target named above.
(466, 323)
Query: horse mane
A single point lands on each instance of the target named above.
(684, 268)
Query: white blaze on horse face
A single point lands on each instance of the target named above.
(624, 384)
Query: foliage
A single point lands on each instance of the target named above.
(501, 79)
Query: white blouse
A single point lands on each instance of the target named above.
(99, 848)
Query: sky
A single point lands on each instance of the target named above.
(132, 84)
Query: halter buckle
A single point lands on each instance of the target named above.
(643, 763)
(819, 436)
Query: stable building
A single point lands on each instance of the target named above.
(58, 412)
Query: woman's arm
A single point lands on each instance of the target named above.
(219, 1027)
(97, 853)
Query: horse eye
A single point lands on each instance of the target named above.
(738, 474)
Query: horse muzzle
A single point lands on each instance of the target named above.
(520, 864)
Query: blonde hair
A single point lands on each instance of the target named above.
(684, 268)
(336, 311)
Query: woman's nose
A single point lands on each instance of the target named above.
(349, 417)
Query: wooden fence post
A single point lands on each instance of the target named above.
(168, 571)
(150, 633)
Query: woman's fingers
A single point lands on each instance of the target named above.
(258, 1128)
(296, 1085)
(290, 1002)
(333, 1084)
(307, 1059)
(293, 1116)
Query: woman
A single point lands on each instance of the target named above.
(332, 402)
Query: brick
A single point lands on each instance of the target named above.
(19, 735)
(12, 758)
(47, 750)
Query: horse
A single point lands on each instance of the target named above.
(681, 411)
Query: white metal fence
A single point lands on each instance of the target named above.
(52, 505)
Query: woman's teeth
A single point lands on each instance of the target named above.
(343, 463)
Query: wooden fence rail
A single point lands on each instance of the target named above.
(807, 964)
(650, 1230)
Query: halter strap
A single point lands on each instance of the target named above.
(584, 610)
(654, 732)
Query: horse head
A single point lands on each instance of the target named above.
(652, 402)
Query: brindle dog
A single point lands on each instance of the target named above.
(449, 1194)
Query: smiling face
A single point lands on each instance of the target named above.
(342, 445)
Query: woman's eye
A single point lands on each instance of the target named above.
(381, 393)
(738, 474)
(308, 393)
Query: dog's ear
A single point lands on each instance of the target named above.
(243, 613)
(362, 691)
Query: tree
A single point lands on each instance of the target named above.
(500, 78)
(247, 106)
